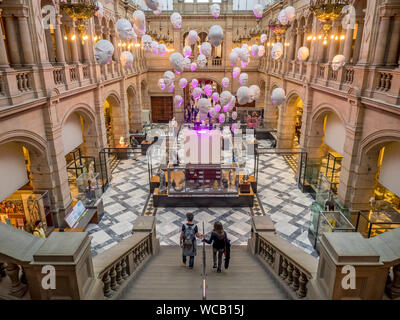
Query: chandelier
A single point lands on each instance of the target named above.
(277, 28)
(80, 11)
(327, 11)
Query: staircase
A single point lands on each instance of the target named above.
(165, 278)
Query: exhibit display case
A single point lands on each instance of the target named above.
(331, 168)
(24, 207)
(372, 223)
(202, 179)
(89, 188)
(330, 221)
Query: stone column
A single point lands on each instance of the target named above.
(74, 44)
(299, 40)
(26, 41)
(394, 43)
(293, 42)
(11, 31)
(333, 44)
(3, 52)
(59, 41)
(381, 41)
(348, 42)
(17, 288)
(286, 124)
(357, 45)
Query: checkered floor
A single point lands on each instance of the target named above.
(128, 197)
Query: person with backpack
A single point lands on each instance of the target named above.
(188, 240)
(220, 243)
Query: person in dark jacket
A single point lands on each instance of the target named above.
(218, 239)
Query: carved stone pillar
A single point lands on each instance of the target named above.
(27, 49)
(3, 51)
(59, 41)
(382, 40)
(17, 288)
(348, 44)
(357, 45)
(333, 44)
(394, 42)
(292, 48)
(299, 40)
(74, 44)
(12, 41)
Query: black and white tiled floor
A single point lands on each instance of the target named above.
(278, 194)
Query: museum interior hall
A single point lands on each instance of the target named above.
(122, 120)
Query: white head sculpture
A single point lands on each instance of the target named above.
(254, 92)
(263, 38)
(139, 23)
(187, 51)
(187, 64)
(215, 97)
(183, 83)
(201, 60)
(232, 103)
(215, 10)
(261, 51)
(204, 105)
(244, 64)
(152, 4)
(243, 79)
(254, 50)
(282, 17)
(194, 83)
(176, 20)
(212, 112)
(215, 35)
(226, 108)
(258, 10)
(125, 30)
(154, 47)
(193, 66)
(178, 100)
(177, 61)
(225, 82)
(171, 88)
(225, 97)
(205, 49)
(303, 54)
(243, 95)
(197, 92)
(278, 96)
(277, 51)
(99, 13)
(233, 58)
(221, 118)
(162, 48)
(169, 78)
(234, 115)
(193, 37)
(103, 51)
(290, 13)
(161, 84)
(146, 42)
(338, 62)
(208, 89)
(126, 59)
(236, 72)
(217, 108)
(244, 54)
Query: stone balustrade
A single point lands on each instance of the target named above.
(288, 263)
(119, 264)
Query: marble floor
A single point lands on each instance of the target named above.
(128, 194)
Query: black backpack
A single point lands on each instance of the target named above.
(189, 237)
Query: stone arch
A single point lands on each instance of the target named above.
(134, 109)
(367, 165)
(114, 120)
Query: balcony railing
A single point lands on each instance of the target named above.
(24, 81)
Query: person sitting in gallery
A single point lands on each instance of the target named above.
(188, 240)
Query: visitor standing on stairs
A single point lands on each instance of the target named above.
(188, 240)
(220, 243)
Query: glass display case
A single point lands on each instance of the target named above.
(202, 179)
(331, 221)
(331, 167)
(89, 188)
(372, 223)
(24, 207)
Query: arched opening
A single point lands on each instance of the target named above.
(113, 121)
(325, 151)
(134, 111)
(24, 195)
(80, 140)
(377, 188)
(289, 123)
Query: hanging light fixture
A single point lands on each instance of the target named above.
(326, 12)
(277, 28)
(80, 11)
